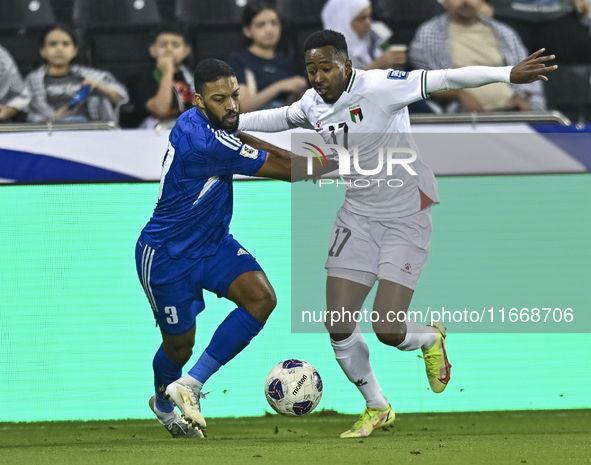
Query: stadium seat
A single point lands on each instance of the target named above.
(405, 16)
(116, 37)
(22, 25)
(63, 10)
(217, 44)
(300, 11)
(210, 12)
(569, 90)
(116, 31)
(166, 8)
(300, 18)
(215, 26)
(18, 14)
(116, 13)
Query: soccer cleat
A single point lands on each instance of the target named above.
(186, 398)
(178, 427)
(436, 363)
(369, 420)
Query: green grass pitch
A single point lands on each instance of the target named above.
(532, 437)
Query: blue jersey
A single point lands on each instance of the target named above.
(195, 200)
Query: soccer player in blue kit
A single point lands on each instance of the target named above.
(186, 246)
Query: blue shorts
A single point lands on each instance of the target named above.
(175, 287)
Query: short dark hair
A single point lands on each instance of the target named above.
(59, 27)
(253, 9)
(170, 28)
(325, 38)
(211, 70)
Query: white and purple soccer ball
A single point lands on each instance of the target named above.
(293, 388)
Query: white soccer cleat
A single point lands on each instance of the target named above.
(177, 426)
(186, 398)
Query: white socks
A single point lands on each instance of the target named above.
(166, 416)
(418, 337)
(188, 380)
(353, 357)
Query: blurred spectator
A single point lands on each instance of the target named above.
(556, 25)
(460, 37)
(367, 49)
(11, 87)
(267, 78)
(169, 90)
(52, 87)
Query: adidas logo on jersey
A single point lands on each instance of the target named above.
(242, 252)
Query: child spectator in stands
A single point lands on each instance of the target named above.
(267, 78)
(168, 91)
(352, 18)
(11, 87)
(462, 37)
(51, 87)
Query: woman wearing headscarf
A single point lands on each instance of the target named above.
(367, 50)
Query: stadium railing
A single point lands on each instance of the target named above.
(51, 127)
(164, 125)
(416, 118)
(463, 118)
(496, 117)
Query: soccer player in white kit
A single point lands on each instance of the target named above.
(383, 231)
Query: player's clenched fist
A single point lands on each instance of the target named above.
(530, 69)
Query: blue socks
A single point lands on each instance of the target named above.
(165, 372)
(231, 337)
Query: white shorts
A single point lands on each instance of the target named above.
(365, 249)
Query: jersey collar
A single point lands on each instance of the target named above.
(201, 116)
(347, 90)
(353, 75)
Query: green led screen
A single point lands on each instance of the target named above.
(77, 335)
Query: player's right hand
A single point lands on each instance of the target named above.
(530, 69)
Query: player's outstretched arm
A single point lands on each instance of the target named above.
(529, 70)
(272, 120)
(284, 165)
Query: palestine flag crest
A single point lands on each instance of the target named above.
(356, 114)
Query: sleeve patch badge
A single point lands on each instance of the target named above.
(249, 152)
(397, 74)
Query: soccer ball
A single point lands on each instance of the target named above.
(293, 388)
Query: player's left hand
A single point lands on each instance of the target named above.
(530, 69)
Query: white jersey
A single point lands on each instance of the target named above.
(371, 114)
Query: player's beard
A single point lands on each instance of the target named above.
(222, 123)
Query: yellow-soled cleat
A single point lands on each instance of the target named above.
(369, 420)
(436, 363)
